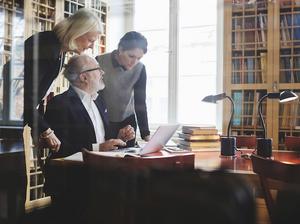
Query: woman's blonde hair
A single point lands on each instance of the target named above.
(80, 23)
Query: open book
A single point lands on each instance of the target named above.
(78, 156)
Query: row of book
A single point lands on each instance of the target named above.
(289, 28)
(246, 107)
(249, 33)
(246, 110)
(250, 69)
(249, 4)
(289, 69)
(194, 138)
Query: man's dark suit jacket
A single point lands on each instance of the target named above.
(42, 61)
(71, 123)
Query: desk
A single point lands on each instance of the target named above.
(71, 168)
(206, 160)
(211, 160)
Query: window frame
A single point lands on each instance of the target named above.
(173, 72)
(6, 80)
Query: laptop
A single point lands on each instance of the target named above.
(161, 136)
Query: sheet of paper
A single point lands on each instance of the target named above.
(115, 154)
(75, 157)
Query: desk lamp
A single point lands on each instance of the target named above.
(228, 143)
(264, 145)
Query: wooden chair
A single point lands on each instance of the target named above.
(35, 157)
(246, 141)
(278, 178)
(292, 143)
(117, 186)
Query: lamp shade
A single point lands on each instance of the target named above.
(287, 96)
(214, 98)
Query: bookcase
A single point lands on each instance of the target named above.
(41, 15)
(261, 55)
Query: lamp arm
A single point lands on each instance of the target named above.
(231, 116)
(260, 114)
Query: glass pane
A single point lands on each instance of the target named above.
(16, 99)
(2, 61)
(17, 69)
(197, 61)
(1, 98)
(156, 30)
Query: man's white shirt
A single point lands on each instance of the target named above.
(90, 106)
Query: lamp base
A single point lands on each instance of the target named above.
(228, 146)
(264, 147)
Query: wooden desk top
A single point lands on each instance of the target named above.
(211, 160)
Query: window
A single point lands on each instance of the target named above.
(181, 60)
(11, 64)
(152, 20)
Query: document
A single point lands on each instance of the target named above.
(75, 157)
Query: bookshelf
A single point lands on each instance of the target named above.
(262, 54)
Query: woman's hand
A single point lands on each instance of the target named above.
(111, 144)
(127, 133)
(49, 139)
(146, 138)
(53, 142)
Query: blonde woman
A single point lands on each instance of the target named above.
(44, 58)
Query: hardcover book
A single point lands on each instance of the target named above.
(190, 137)
(195, 149)
(192, 144)
(194, 130)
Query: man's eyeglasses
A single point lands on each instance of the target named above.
(93, 69)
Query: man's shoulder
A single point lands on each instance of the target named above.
(61, 98)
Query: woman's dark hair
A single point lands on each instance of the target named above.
(133, 40)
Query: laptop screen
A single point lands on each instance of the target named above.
(161, 136)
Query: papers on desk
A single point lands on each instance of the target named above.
(78, 156)
(75, 157)
(116, 154)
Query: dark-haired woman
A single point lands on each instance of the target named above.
(125, 85)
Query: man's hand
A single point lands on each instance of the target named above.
(111, 144)
(127, 133)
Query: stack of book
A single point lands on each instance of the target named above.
(199, 138)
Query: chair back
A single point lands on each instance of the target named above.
(246, 141)
(292, 143)
(281, 177)
(35, 156)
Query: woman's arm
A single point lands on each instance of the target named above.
(140, 103)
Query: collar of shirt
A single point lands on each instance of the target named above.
(84, 96)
